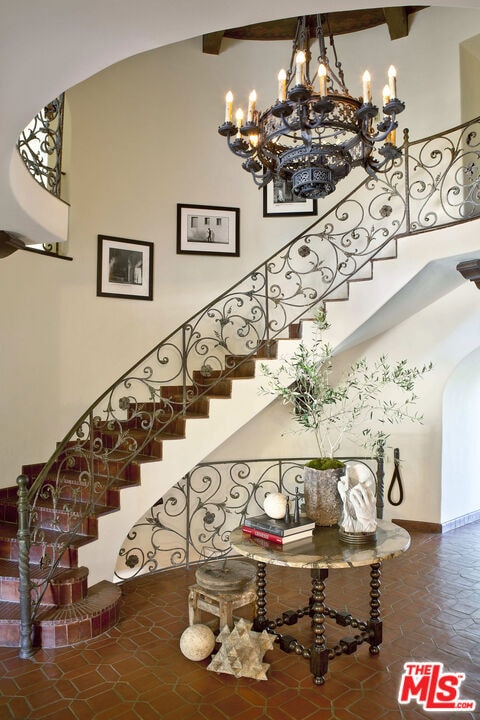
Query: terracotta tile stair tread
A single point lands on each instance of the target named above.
(197, 410)
(203, 391)
(64, 506)
(8, 531)
(74, 479)
(100, 597)
(139, 434)
(9, 569)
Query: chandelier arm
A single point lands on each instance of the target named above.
(240, 148)
(301, 124)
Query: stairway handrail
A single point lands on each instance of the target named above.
(278, 292)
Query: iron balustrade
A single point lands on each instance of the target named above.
(435, 183)
(40, 147)
(193, 520)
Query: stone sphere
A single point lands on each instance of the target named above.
(275, 505)
(197, 642)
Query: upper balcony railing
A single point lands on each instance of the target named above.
(40, 147)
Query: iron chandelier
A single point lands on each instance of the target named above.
(313, 137)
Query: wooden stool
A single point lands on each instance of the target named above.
(219, 604)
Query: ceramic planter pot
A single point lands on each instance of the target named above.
(322, 499)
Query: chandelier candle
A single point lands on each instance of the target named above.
(228, 107)
(282, 85)
(392, 81)
(322, 79)
(367, 90)
(314, 138)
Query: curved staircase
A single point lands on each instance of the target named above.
(174, 384)
(68, 610)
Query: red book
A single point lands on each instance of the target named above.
(278, 539)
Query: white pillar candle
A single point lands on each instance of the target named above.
(367, 94)
(239, 120)
(386, 94)
(392, 81)
(228, 107)
(322, 79)
(282, 85)
(252, 99)
(299, 64)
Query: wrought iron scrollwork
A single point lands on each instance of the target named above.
(196, 516)
(40, 146)
(435, 183)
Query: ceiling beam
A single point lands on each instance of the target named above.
(397, 21)
(211, 43)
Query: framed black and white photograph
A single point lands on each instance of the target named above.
(208, 230)
(279, 200)
(124, 268)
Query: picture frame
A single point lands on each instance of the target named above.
(124, 268)
(208, 230)
(279, 200)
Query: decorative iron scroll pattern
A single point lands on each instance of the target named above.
(193, 520)
(435, 183)
(40, 146)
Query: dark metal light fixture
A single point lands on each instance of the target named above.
(470, 270)
(313, 136)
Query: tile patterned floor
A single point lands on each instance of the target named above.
(430, 607)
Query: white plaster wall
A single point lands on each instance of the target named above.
(461, 425)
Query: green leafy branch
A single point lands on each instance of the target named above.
(361, 406)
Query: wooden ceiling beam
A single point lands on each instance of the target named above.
(397, 21)
(211, 43)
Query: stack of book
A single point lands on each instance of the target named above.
(278, 531)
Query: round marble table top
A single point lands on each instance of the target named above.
(324, 549)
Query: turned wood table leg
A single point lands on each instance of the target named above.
(260, 621)
(319, 652)
(375, 623)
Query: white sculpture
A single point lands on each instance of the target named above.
(275, 505)
(357, 490)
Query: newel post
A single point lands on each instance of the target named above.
(23, 538)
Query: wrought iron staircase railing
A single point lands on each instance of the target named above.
(436, 183)
(193, 520)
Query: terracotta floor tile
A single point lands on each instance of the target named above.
(135, 671)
